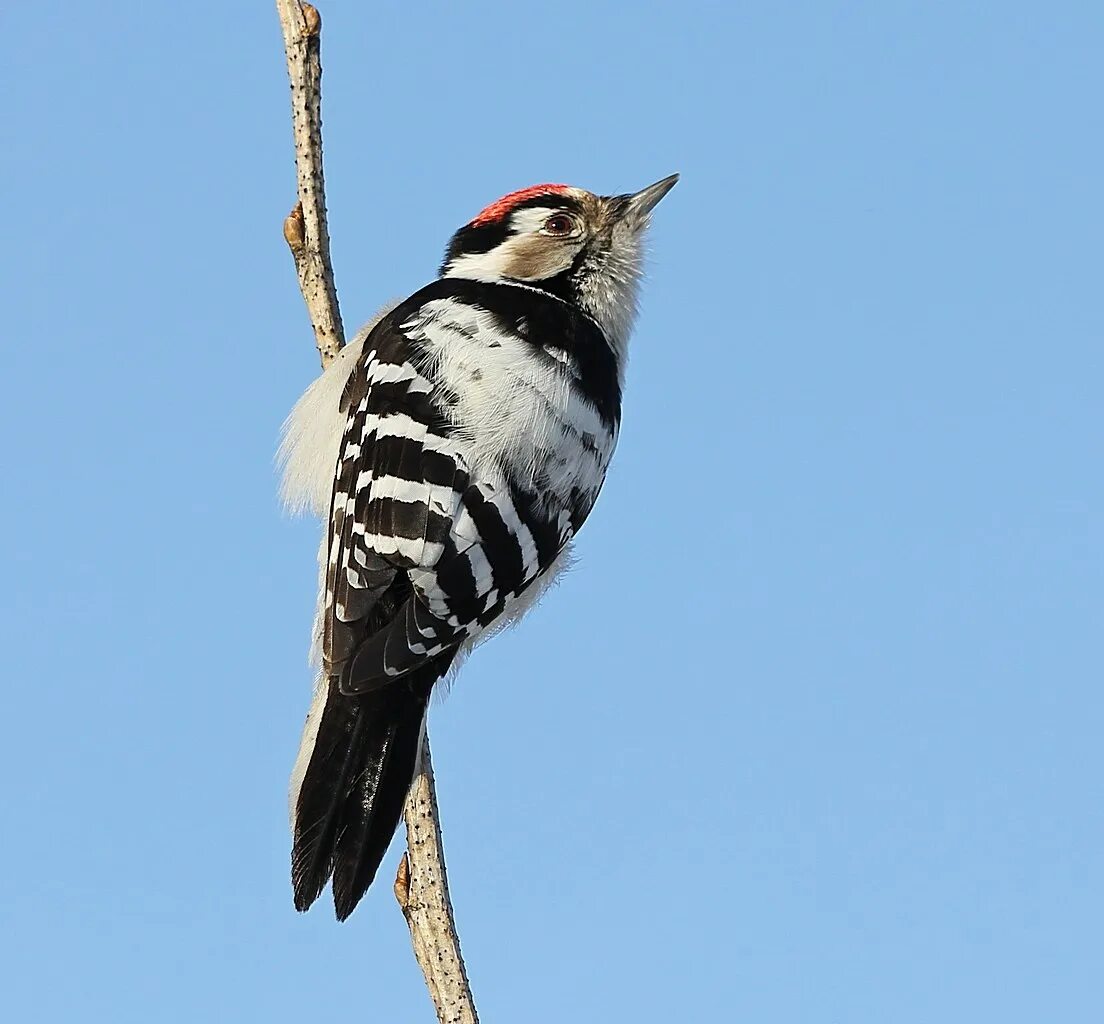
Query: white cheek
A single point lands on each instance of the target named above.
(528, 257)
(479, 266)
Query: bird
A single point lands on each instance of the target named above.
(453, 450)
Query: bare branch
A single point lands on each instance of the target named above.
(306, 230)
(421, 885)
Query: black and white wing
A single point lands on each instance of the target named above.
(392, 507)
(396, 489)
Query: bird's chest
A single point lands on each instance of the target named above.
(517, 406)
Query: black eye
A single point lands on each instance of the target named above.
(559, 224)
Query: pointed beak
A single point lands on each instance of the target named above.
(640, 204)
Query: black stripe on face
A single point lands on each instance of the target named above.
(562, 285)
(475, 239)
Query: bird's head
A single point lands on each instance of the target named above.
(584, 248)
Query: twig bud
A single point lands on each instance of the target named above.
(402, 882)
(295, 232)
(312, 19)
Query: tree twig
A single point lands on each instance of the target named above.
(306, 230)
(421, 885)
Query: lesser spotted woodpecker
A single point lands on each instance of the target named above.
(457, 444)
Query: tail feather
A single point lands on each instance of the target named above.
(338, 743)
(355, 782)
(374, 805)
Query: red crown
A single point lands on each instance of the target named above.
(500, 207)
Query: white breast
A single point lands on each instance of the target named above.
(518, 413)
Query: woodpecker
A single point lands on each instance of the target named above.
(456, 445)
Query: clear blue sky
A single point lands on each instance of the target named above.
(812, 734)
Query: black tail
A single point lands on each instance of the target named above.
(357, 774)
